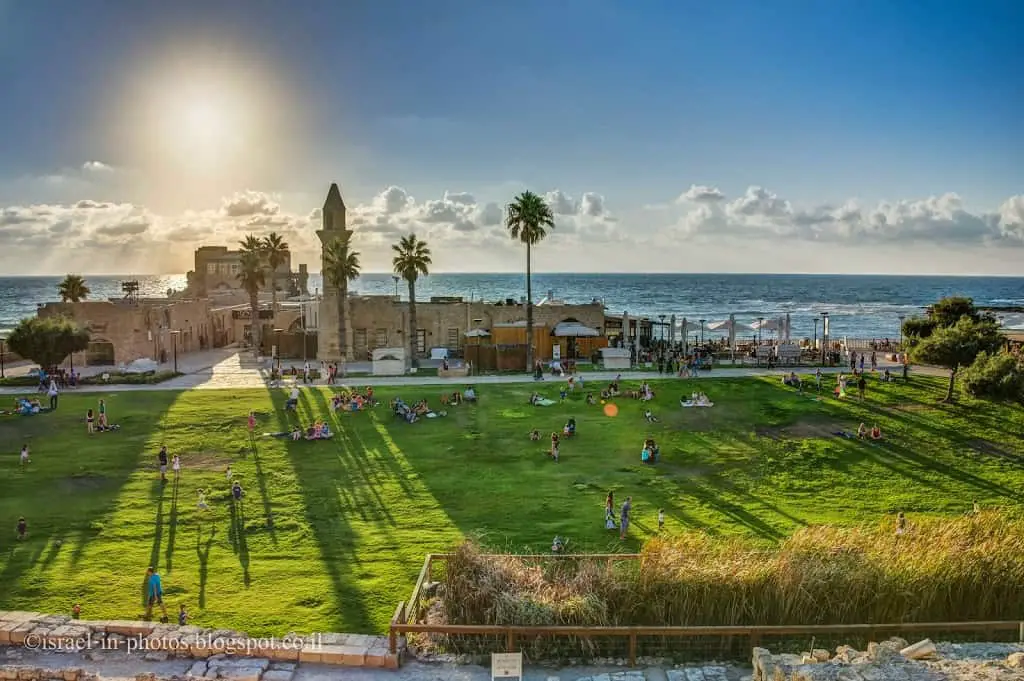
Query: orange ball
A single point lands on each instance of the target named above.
(611, 410)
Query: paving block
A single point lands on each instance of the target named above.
(310, 653)
(278, 675)
(346, 656)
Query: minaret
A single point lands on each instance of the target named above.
(334, 226)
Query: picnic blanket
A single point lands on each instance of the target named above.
(688, 403)
(544, 402)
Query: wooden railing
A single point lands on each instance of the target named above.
(408, 619)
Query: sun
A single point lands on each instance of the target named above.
(204, 122)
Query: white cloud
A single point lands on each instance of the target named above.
(701, 194)
(96, 167)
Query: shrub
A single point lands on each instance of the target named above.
(997, 376)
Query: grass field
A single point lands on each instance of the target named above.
(330, 535)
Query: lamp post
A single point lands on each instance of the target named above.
(702, 332)
(174, 343)
(394, 277)
(3, 347)
(661, 320)
(277, 347)
(760, 335)
(902, 317)
(824, 335)
(304, 357)
(814, 347)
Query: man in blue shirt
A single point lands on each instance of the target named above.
(154, 594)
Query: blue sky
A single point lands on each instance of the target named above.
(817, 102)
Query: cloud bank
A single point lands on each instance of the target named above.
(467, 234)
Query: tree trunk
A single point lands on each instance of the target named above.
(529, 312)
(413, 335)
(952, 384)
(254, 323)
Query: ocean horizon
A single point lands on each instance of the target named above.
(859, 305)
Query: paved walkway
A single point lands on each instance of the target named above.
(232, 369)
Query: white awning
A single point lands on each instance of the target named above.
(574, 330)
(477, 333)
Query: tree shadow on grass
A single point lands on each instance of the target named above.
(203, 557)
(172, 525)
(261, 484)
(320, 472)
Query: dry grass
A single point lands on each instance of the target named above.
(969, 568)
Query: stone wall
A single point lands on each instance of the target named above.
(883, 662)
(35, 631)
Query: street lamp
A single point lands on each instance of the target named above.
(814, 347)
(3, 342)
(902, 317)
(760, 334)
(277, 347)
(174, 342)
(824, 335)
(702, 332)
(661, 320)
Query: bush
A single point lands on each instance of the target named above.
(948, 570)
(998, 376)
(123, 378)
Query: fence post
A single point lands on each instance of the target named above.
(1020, 632)
(510, 641)
(430, 566)
(632, 650)
(392, 641)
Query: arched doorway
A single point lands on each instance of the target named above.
(100, 353)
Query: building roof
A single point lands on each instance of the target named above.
(334, 199)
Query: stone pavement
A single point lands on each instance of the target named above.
(232, 369)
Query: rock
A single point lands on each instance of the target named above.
(1015, 660)
(197, 668)
(820, 655)
(278, 675)
(694, 674)
(283, 666)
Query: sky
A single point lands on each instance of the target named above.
(854, 136)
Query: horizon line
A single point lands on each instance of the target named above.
(564, 273)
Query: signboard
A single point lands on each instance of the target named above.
(556, 352)
(764, 351)
(789, 351)
(506, 666)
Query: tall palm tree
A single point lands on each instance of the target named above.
(275, 252)
(412, 258)
(250, 276)
(528, 219)
(341, 265)
(73, 289)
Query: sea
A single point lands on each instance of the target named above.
(859, 306)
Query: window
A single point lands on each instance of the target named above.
(211, 268)
(235, 267)
(421, 341)
(453, 339)
(382, 338)
(359, 340)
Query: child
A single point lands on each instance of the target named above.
(554, 446)
(534, 435)
(88, 422)
(901, 524)
(76, 611)
(236, 491)
(201, 504)
(252, 424)
(162, 458)
(227, 473)
(24, 455)
(557, 546)
(562, 394)
(651, 418)
(176, 466)
(661, 519)
(609, 517)
(103, 414)
(22, 529)
(182, 616)
(817, 379)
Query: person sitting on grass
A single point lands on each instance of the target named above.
(649, 415)
(22, 529)
(570, 427)
(534, 399)
(862, 431)
(646, 394)
(296, 434)
(534, 435)
(613, 388)
(591, 400)
(876, 432)
(792, 380)
(650, 453)
(469, 394)
(456, 398)
(557, 545)
(444, 399)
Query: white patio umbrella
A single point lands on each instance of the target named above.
(729, 326)
(767, 325)
(574, 330)
(672, 329)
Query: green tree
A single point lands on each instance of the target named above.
(528, 219)
(47, 340)
(275, 252)
(250, 276)
(73, 289)
(953, 347)
(412, 259)
(998, 376)
(942, 314)
(341, 266)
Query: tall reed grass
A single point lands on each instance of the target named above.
(961, 569)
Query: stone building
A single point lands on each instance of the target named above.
(217, 268)
(334, 226)
(126, 330)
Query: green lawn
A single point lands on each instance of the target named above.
(353, 517)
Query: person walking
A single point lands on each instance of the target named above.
(54, 394)
(627, 508)
(162, 458)
(154, 594)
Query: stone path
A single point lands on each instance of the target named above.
(231, 369)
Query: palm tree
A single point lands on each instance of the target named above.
(250, 276)
(73, 289)
(412, 258)
(275, 252)
(341, 265)
(527, 219)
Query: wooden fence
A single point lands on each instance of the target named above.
(408, 618)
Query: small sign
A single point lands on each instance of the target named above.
(507, 666)
(556, 352)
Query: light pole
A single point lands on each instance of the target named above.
(394, 277)
(824, 335)
(661, 320)
(902, 317)
(3, 344)
(174, 343)
(760, 334)
(277, 348)
(304, 357)
(814, 347)
(702, 332)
